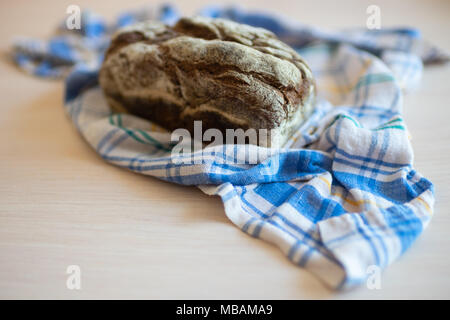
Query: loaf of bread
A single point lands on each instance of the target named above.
(227, 75)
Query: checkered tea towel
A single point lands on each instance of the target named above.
(340, 198)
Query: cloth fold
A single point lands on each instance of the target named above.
(341, 197)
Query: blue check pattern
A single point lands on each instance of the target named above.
(341, 197)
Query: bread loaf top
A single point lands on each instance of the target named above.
(242, 74)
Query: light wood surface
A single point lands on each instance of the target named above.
(137, 237)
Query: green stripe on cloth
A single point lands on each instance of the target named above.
(374, 78)
(132, 133)
(390, 127)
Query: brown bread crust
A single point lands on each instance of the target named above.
(226, 74)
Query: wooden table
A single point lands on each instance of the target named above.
(137, 237)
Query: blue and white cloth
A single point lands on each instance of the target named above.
(343, 197)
